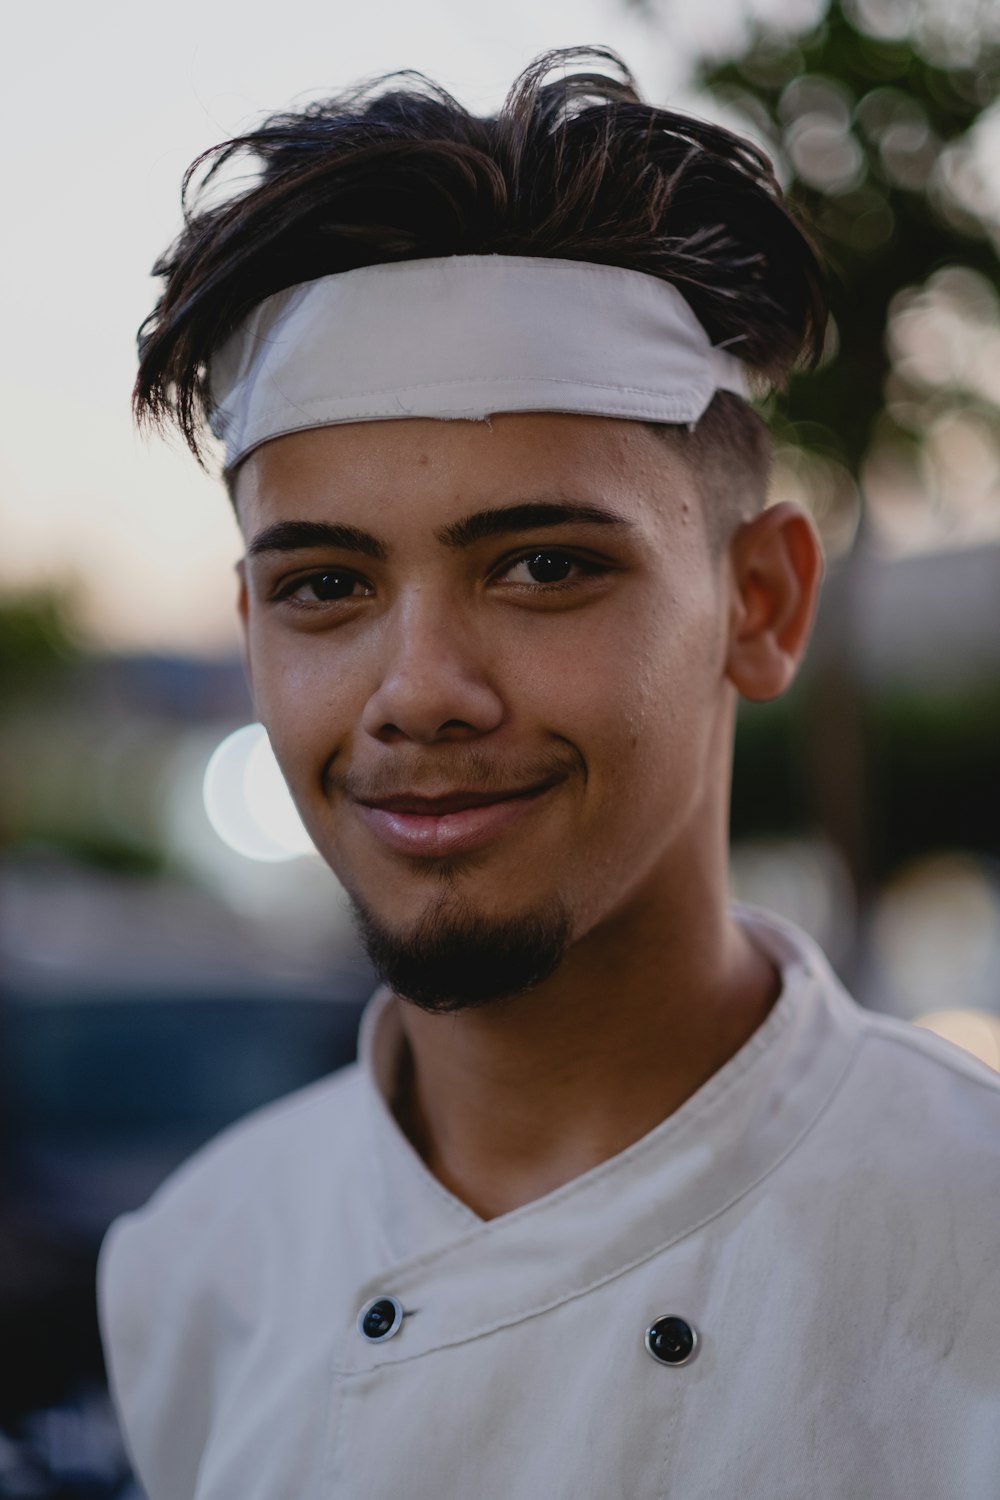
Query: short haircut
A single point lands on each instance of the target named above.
(576, 167)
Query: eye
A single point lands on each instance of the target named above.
(324, 588)
(549, 565)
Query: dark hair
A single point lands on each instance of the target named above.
(577, 168)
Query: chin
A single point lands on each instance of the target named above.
(457, 956)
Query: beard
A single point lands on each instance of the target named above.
(455, 958)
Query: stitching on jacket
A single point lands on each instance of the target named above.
(609, 1276)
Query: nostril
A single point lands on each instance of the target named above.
(436, 703)
(450, 729)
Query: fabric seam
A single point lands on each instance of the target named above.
(659, 1249)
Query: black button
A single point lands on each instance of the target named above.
(380, 1319)
(671, 1340)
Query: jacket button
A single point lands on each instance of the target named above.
(671, 1340)
(380, 1319)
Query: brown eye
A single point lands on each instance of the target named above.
(552, 566)
(324, 588)
(331, 585)
(549, 567)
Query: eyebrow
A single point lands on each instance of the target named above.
(294, 536)
(532, 515)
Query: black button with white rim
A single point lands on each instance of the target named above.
(380, 1319)
(671, 1340)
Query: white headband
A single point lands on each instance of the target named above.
(465, 336)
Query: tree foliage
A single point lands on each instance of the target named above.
(879, 120)
(37, 640)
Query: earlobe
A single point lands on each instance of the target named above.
(777, 564)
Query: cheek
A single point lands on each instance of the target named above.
(646, 706)
(307, 697)
(653, 674)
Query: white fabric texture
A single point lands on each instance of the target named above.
(823, 1211)
(465, 336)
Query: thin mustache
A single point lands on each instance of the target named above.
(470, 771)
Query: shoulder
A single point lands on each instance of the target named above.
(268, 1154)
(184, 1282)
(922, 1071)
(225, 1212)
(918, 1119)
(896, 1070)
(187, 1282)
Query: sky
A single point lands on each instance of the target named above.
(108, 103)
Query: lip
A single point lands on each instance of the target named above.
(456, 823)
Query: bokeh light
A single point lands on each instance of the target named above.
(247, 801)
(825, 487)
(295, 904)
(947, 333)
(947, 35)
(932, 475)
(817, 134)
(975, 1031)
(936, 936)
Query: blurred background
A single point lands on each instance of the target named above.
(170, 954)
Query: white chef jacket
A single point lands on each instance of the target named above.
(824, 1213)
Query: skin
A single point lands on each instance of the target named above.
(449, 668)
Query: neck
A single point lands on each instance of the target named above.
(509, 1101)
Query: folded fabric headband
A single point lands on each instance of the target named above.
(465, 336)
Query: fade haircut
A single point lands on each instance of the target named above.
(576, 167)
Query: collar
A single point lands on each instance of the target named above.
(721, 1143)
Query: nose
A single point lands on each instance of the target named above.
(433, 682)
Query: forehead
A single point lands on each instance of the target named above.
(416, 474)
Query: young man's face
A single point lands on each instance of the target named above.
(502, 719)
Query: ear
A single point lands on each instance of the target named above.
(777, 564)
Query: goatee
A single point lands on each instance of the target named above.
(455, 958)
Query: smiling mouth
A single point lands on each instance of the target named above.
(452, 802)
(451, 823)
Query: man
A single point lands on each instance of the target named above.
(625, 1197)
